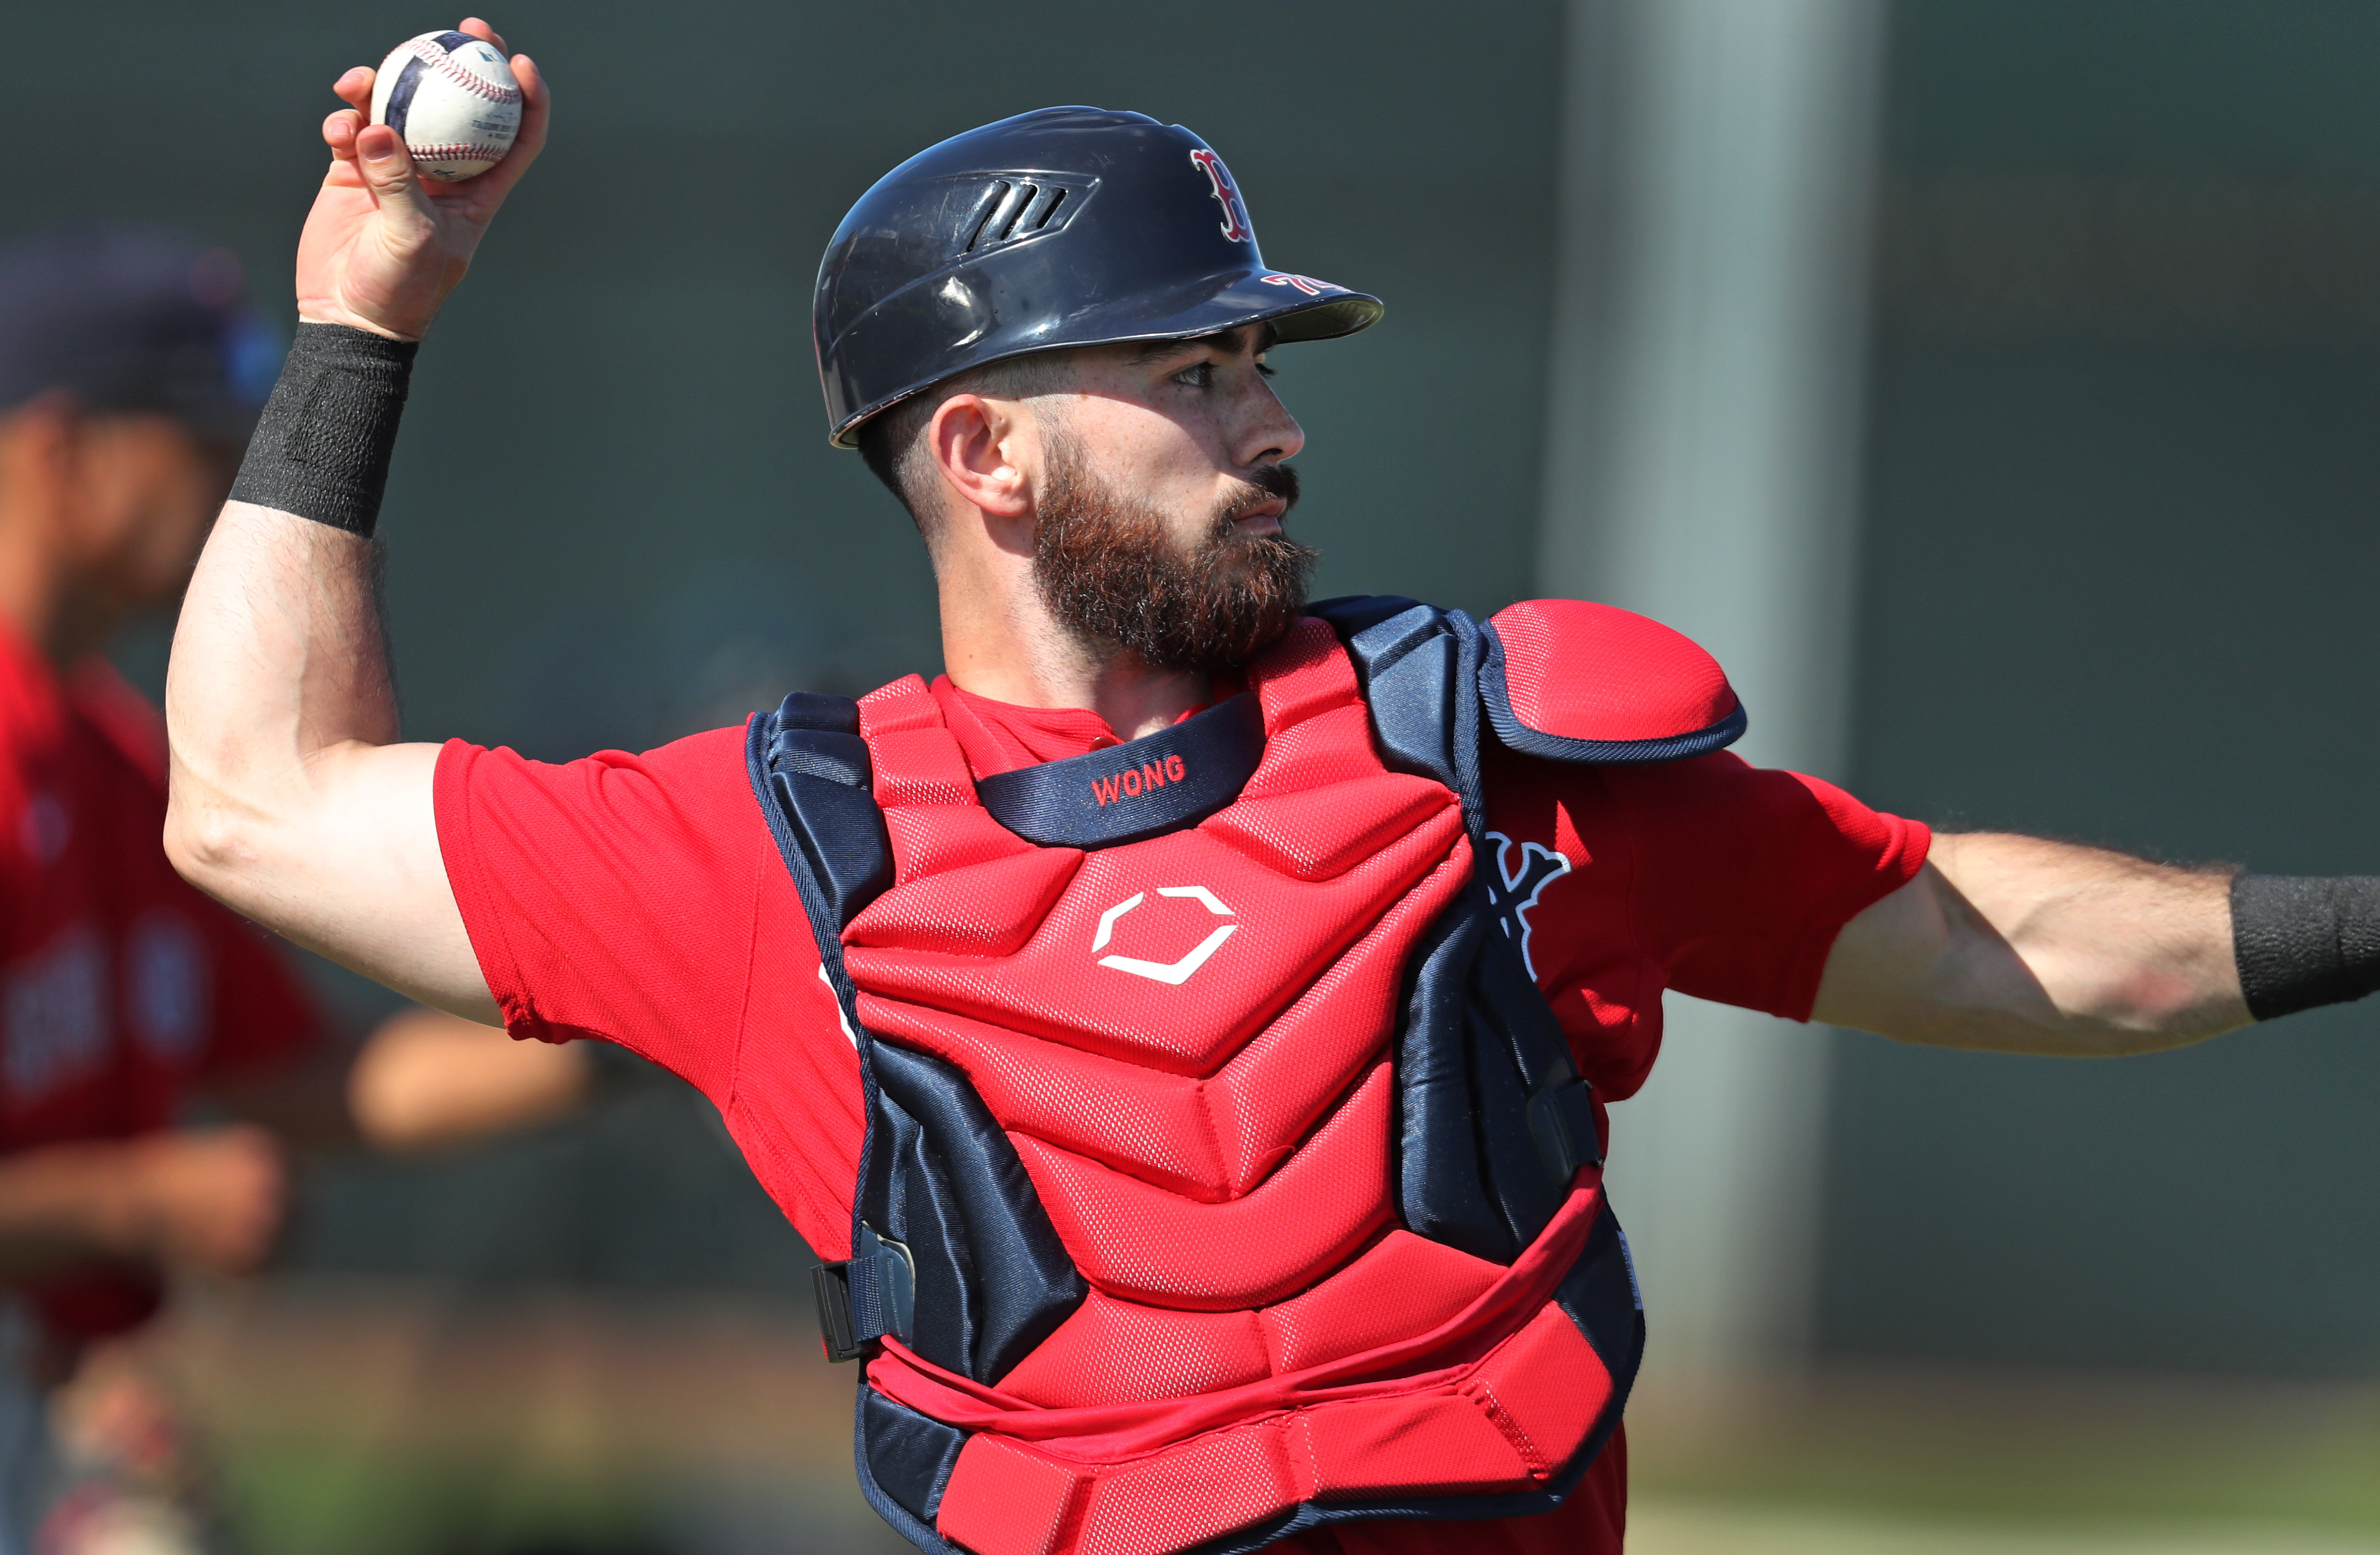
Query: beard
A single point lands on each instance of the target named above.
(1113, 574)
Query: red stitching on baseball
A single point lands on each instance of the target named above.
(426, 51)
(455, 153)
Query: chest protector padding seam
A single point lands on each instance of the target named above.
(1224, 1335)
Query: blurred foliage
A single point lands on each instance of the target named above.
(295, 1500)
(1962, 1451)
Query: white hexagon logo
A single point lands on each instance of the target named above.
(1174, 974)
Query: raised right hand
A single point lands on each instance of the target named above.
(380, 248)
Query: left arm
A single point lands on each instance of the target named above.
(424, 1079)
(428, 1079)
(2017, 944)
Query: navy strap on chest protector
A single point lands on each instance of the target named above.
(811, 769)
(1479, 1039)
(1159, 782)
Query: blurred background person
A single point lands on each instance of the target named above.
(130, 376)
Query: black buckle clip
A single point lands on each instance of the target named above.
(1561, 1121)
(832, 1283)
(861, 1301)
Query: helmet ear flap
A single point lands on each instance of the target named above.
(1061, 228)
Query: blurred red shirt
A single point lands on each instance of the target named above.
(121, 987)
(640, 899)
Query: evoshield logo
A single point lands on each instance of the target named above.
(1513, 889)
(1141, 780)
(1171, 973)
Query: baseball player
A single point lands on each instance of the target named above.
(1185, 1025)
(130, 376)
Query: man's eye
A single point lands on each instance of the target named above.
(1197, 375)
(1265, 367)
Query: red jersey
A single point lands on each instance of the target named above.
(121, 986)
(641, 899)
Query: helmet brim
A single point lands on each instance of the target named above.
(1298, 307)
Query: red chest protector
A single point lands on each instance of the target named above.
(1225, 1172)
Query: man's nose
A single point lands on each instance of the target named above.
(1272, 435)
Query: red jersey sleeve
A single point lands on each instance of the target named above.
(1717, 878)
(1745, 874)
(640, 899)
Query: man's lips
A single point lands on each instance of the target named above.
(1264, 518)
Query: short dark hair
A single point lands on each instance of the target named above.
(888, 440)
(128, 317)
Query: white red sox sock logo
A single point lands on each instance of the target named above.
(1513, 889)
(1236, 225)
(1306, 283)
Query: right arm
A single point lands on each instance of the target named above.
(292, 802)
(636, 899)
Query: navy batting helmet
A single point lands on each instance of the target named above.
(1064, 227)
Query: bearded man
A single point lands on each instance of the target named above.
(1185, 1025)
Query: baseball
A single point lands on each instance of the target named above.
(452, 100)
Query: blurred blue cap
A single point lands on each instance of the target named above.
(133, 318)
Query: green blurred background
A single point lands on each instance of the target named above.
(2120, 479)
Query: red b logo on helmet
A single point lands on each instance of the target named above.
(1236, 225)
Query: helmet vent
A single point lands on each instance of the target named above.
(1008, 210)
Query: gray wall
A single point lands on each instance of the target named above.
(2122, 489)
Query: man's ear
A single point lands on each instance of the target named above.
(982, 449)
(39, 442)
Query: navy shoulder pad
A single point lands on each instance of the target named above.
(1570, 681)
(1415, 663)
(809, 770)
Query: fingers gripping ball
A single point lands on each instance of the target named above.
(452, 100)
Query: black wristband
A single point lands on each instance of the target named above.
(321, 447)
(2302, 940)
